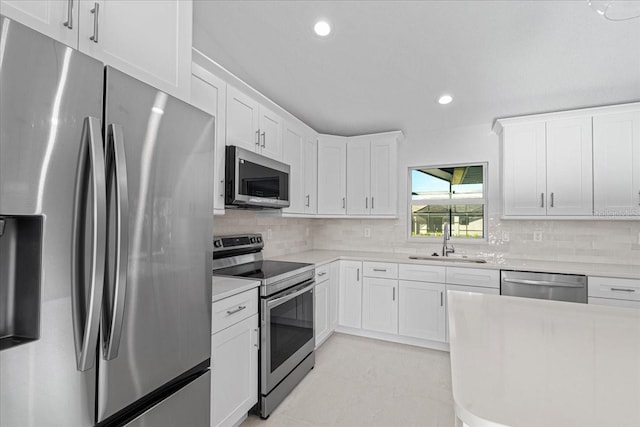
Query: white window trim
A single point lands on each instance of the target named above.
(484, 200)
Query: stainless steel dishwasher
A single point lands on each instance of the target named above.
(551, 286)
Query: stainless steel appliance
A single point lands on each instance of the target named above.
(287, 336)
(255, 181)
(558, 287)
(105, 255)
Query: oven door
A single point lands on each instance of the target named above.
(287, 333)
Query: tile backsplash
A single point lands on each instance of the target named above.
(588, 241)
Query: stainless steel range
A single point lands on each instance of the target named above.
(287, 337)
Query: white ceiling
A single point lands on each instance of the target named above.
(386, 62)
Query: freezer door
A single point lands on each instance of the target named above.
(189, 406)
(168, 167)
(47, 90)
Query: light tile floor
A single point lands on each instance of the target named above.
(364, 382)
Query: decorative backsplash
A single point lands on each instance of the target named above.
(597, 241)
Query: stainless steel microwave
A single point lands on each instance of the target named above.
(255, 181)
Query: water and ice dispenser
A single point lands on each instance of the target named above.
(20, 279)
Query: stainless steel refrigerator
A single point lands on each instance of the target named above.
(105, 243)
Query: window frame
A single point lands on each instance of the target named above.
(483, 201)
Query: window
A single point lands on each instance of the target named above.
(453, 194)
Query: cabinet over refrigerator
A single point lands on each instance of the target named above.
(105, 251)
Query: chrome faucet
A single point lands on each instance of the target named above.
(447, 247)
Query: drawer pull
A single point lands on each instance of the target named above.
(623, 289)
(240, 308)
(380, 269)
(323, 273)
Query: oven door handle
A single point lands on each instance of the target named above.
(290, 296)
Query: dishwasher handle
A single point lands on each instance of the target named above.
(542, 283)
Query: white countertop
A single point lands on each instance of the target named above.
(321, 257)
(530, 363)
(224, 287)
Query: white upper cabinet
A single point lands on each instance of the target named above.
(371, 171)
(253, 126)
(575, 164)
(243, 120)
(616, 163)
(524, 169)
(150, 41)
(569, 167)
(332, 175)
(209, 93)
(358, 176)
(57, 19)
(300, 152)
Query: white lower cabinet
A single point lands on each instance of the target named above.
(380, 305)
(321, 312)
(326, 300)
(422, 310)
(234, 361)
(350, 306)
(614, 292)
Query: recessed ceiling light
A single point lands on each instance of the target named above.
(322, 28)
(445, 99)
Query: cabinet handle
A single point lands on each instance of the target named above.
(542, 200)
(623, 289)
(322, 273)
(344, 203)
(371, 202)
(69, 22)
(638, 198)
(96, 12)
(551, 199)
(308, 200)
(394, 294)
(240, 308)
(357, 275)
(258, 137)
(264, 139)
(366, 203)
(257, 344)
(441, 299)
(379, 269)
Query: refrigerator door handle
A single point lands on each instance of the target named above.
(87, 303)
(118, 166)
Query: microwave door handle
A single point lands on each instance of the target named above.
(115, 145)
(87, 308)
(288, 297)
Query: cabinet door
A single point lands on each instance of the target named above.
(270, 134)
(321, 312)
(569, 167)
(384, 178)
(350, 311)
(209, 93)
(422, 312)
(242, 120)
(57, 19)
(234, 366)
(149, 40)
(334, 294)
(524, 169)
(358, 176)
(293, 156)
(616, 164)
(310, 154)
(332, 180)
(380, 305)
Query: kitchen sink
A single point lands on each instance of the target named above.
(449, 259)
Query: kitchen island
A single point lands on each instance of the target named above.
(525, 362)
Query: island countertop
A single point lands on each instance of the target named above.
(530, 363)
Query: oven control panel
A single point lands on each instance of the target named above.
(238, 242)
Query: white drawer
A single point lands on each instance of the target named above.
(608, 287)
(384, 270)
(322, 273)
(232, 310)
(422, 273)
(473, 277)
